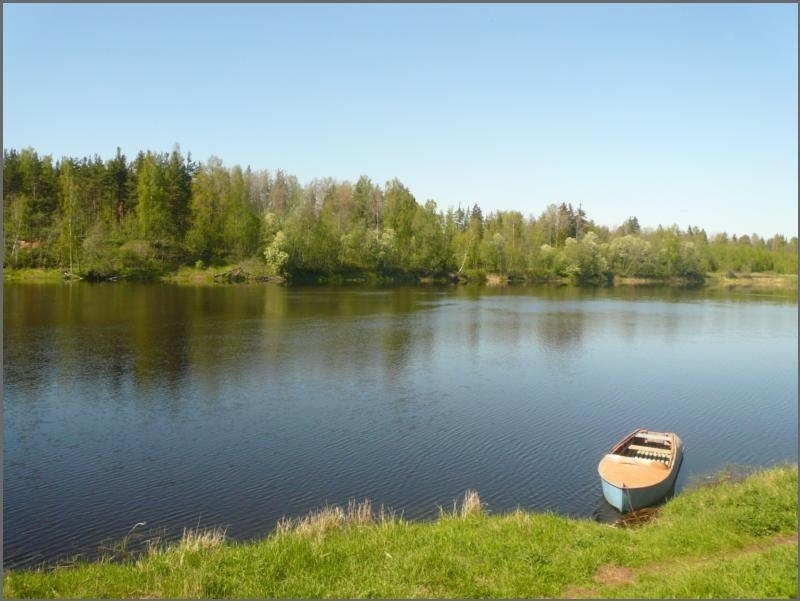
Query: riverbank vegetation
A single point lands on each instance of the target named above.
(726, 539)
(160, 213)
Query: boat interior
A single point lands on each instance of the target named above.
(640, 460)
(654, 446)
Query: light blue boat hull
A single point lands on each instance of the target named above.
(631, 499)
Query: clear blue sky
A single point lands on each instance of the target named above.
(680, 114)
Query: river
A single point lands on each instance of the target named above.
(232, 406)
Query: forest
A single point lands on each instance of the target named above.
(147, 217)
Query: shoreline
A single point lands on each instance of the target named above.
(238, 274)
(724, 537)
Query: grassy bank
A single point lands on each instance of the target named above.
(32, 274)
(724, 540)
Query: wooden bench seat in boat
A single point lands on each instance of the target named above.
(643, 449)
(643, 461)
(655, 437)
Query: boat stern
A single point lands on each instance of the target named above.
(616, 497)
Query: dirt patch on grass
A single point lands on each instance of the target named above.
(614, 575)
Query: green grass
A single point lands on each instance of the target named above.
(727, 539)
(32, 274)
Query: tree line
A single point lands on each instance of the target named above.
(148, 216)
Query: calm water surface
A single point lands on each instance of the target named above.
(235, 406)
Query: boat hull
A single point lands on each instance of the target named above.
(627, 498)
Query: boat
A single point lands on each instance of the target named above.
(640, 470)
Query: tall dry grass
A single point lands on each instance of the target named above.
(201, 540)
(331, 517)
(362, 513)
(470, 505)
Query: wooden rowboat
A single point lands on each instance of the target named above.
(640, 470)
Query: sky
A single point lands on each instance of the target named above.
(677, 114)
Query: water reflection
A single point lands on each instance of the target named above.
(561, 331)
(163, 335)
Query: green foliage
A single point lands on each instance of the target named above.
(138, 260)
(151, 206)
(586, 261)
(70, 218)
(100, 256)
(77, 215)
(399, 210)
(549, 263)
(429, 244)
(630, 255)
(276, 254)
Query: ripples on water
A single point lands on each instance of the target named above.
(235, 406)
